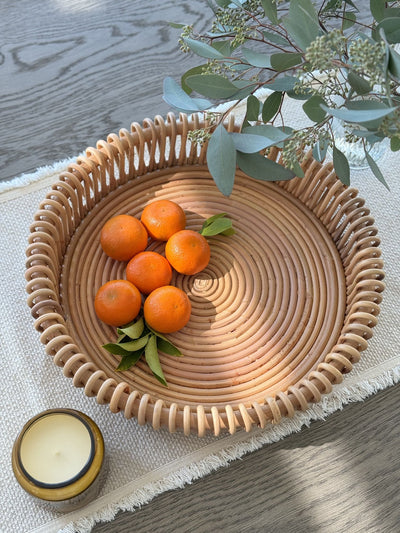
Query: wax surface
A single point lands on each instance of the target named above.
(55, 448)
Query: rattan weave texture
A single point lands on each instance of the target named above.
(283, 310)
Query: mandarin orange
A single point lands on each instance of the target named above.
(117, 302)
(188, 252)
(167, 309)
(148, 270)
(123, 236)
(163, 218)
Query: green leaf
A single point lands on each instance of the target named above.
(270, 10)
(217, 225)
(190, 72)
(359, 115)
(274, 134)
(167, 347)
(176, 25)
(137, 344)
(349, 20)
(319, 151)
(256, 59)
(302, 22)
(394, 63)
(377, 8)
(262, 168)
(134, 330)
(395, 144)
(129, 360)
(271, 106)
(341, 166)
(221, 159)
(212, 85)
(223, 47)
(176, 97)
(152, 359)
(249, 143)
(298, 171)
(283, 84)
(285, 60)
(203, 49)
(358, 83)
(252, 108)
(312, 108)
(275, 38)
(391, 28)
(376, 170)
(115, 349)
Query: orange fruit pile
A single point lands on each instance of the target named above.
(125, 238)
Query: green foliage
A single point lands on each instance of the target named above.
(137, 339)
(316, 52)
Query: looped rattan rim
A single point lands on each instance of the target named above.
(160, 150)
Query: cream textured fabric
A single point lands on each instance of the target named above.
(142, 462)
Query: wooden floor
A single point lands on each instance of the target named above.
(72, 71)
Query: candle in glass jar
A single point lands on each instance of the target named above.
(58, 457)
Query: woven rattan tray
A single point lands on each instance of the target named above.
(283, 310)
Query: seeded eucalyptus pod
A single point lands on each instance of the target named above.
(338, 58)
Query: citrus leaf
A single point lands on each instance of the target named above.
(176, 97)
(262, 168)
(137, 344)
(115, 349)
(203, 49)
(285, 60)
(129, 360)
(217, 227)
(376, 170)
(133, 331)
(167, 347)
(312, 108)
(152, 359)
(341, 166)
(212, 85)
(271, 106)
(221, 159)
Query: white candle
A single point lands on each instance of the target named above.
(58, 457)
(55, 448)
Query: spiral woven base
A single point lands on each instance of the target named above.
(283, 310)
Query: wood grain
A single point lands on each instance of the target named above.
(71, 72)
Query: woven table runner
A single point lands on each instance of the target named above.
(143, 462)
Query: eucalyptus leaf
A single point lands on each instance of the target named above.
(256, 59)
(359, 115)
(312, 108)
(212, 85)
(262, 168)
(282, 84)
(252, 108)
(358, 83)
(349, 20)
(302, 22)
(341, 166)
(391, 28)
(133, 331)
(153, 360)
(203, 49)
(285, 60)
(176, 25)
(271, 106)
(319, 151)
(270, 10)
(129, 360)
(190, 72)
(394, 63)
(176, 97)
(377, 8)
(249, 143)
(223, 47)
(376, 170)
(273, 133)
(221, 159)
(395, 144)
(275, 38)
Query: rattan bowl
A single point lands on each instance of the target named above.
(284, 309)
